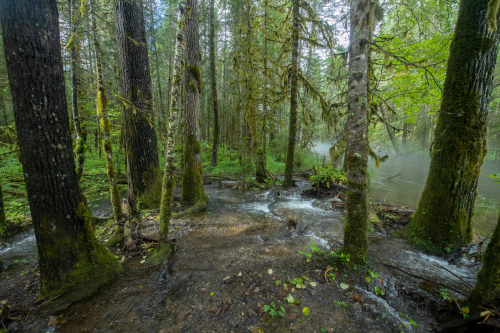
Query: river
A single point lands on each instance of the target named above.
(411, 174)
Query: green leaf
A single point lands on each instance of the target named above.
(305, 311)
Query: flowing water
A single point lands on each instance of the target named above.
(235, 258)
(406, 188)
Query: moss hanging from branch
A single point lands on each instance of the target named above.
(492, 14)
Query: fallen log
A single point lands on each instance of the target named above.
(201, 206)
(461, 322)
(154, 238)
(425, 279)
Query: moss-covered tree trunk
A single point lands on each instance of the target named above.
(446, 208)
(192, 182)
(292, 128)
(70, 257)
(215, 143)
(487, 288)
(3, 218)
(80, 142)
(356, 227)
(102, 111)
(141, 147)
(167, 195)
(260, 161)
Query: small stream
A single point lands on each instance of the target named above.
(228, 251)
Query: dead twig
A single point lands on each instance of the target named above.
(326, 279)
(467, 284)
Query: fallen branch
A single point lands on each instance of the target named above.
(200, 206)
(460, 322)
(394, 176)
(467, 284)
(337, 242)
(422, 278)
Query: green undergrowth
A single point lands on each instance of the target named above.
(95, 185)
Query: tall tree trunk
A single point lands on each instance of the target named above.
(3, 218)
(80, 143)
(168, 178)
(157, 62)
(487, 288)
(215, 143)
(389, 130)
(260, 161)
(404, 140)
(141, 147)
(356, 227)
(71, 260)
(446, 208)
(292, 130)
(102, 111)
(192, 182)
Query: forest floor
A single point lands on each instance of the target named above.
(232, 263)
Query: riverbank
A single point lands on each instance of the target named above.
(240, 255)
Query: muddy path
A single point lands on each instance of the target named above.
(242, 254)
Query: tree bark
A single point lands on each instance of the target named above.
(3, 218)
(487, 288)
(292, 130)
(260, 166)
(168, 177)
(192, 182)
(446, 207)
(80, 142)
(356, 227)
(141, 147)
(215, 143)
(102, 111)
(157, 62)
(70, 257)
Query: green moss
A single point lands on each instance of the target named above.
(260, 169)
(399, 234)
(192, 183)
(446, 208)
(80, 156)
(95, 266)
(3, 218)
(356, 227)
(487, 289)
(151, 197)
(193, 86)
(195, 71)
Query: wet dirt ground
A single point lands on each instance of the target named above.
(240, 255)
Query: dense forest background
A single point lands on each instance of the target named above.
(291, 97)
(408, 65)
